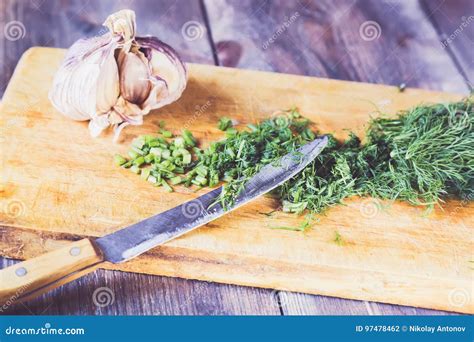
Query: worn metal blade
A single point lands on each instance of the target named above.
(136, 239)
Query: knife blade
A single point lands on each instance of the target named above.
(138, 238)
(32, 277)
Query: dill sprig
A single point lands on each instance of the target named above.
(423, 156)
(431, 154)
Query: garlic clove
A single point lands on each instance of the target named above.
(85, 80)
(134, 74)
(166, 66)
(163, 66)
(74, 88)
(108, 85)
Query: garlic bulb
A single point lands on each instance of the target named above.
(116, 78)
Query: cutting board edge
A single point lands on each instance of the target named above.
(32, 50)
(173, 261)
(66, 236)
(23, 59)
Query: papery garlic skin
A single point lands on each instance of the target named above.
(168, 71)
(117, 78)
(74, 88)
(108, 85)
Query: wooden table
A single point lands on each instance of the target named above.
(425, 44)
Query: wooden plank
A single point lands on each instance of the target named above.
(454, 21)
(321, 39)
(84, 194)
(303, 304)
(108, 292)
(327, 38)
(59, 23)
(385, 309)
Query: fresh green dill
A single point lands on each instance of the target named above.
(338, 240)
(237, 158)
(224, 123)
(304, 226)
(422, 156)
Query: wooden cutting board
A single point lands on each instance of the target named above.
(59, 184)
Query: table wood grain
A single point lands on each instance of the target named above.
(319, 38)
(453, 22)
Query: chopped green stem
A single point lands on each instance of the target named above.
(224, 123)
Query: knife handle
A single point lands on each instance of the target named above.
(35, 276)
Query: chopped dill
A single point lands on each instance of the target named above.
(422, 156)
(304, 226)
(338, 240)
(224, 123)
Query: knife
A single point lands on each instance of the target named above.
(32, 277)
